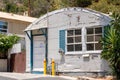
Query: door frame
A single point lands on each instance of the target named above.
(30, 36)
(44, 40)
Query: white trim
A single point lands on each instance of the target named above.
(65, 41)
(83, 42)
(77, 9)
(66, 44)
(84, 52)
(83, 39)
(12, 16)
(94, 35)
(37, 69)
(85, 55)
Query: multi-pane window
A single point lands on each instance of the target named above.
(3, 27)
(74, 40)
(93, 37)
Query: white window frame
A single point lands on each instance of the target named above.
(72, 52)
(93, 42)
(83, 41)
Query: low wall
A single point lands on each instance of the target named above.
(3, 65)
(18, 62)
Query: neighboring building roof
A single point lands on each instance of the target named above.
(16, 17)
(37, 24)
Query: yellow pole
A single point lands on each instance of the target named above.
(45, 71)
(53, 67)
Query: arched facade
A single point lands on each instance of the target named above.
(71, 37)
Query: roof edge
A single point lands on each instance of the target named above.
(72, 8)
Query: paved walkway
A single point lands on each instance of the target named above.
(28, 76)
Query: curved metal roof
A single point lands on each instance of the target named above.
(35, 25)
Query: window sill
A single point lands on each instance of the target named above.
(84, 52)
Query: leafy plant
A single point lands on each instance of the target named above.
(7, 42)
(111, 45)
(84, 3)
(105, 7)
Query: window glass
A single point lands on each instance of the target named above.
(78, 32)
(98, 30)
(3, 31)
(98, 37)
(70, 48)
(78, 47)
(89, 30)
(74, 40)
(90, 38)
(3, 27)
(70, 33)
(98, 46)
(2, 23)
(90, 46)
(78, 39)
(70, 40)
(93, 37)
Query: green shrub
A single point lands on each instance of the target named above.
(7, 42)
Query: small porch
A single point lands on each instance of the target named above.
(38, 49)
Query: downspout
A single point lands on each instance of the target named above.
(31, 52)
(46, 36)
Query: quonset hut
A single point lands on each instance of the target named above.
(71, 37)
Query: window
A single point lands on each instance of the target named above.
(74, 40)
(93, 37)
(3, 27)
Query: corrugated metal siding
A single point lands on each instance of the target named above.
(63, 21)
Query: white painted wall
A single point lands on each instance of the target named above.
(59, 20)
(75, 62)
(16, 48)
(16, 27)
(27, 52)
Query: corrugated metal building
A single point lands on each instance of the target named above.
(71, 37)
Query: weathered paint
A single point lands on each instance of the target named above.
(32, 38)
(38, 53)
(65, 19)
(28, 59)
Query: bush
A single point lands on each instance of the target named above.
(7, 42)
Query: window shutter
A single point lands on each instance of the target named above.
(105, 30)
(62, 40)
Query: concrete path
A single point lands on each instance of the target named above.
(28, 76)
